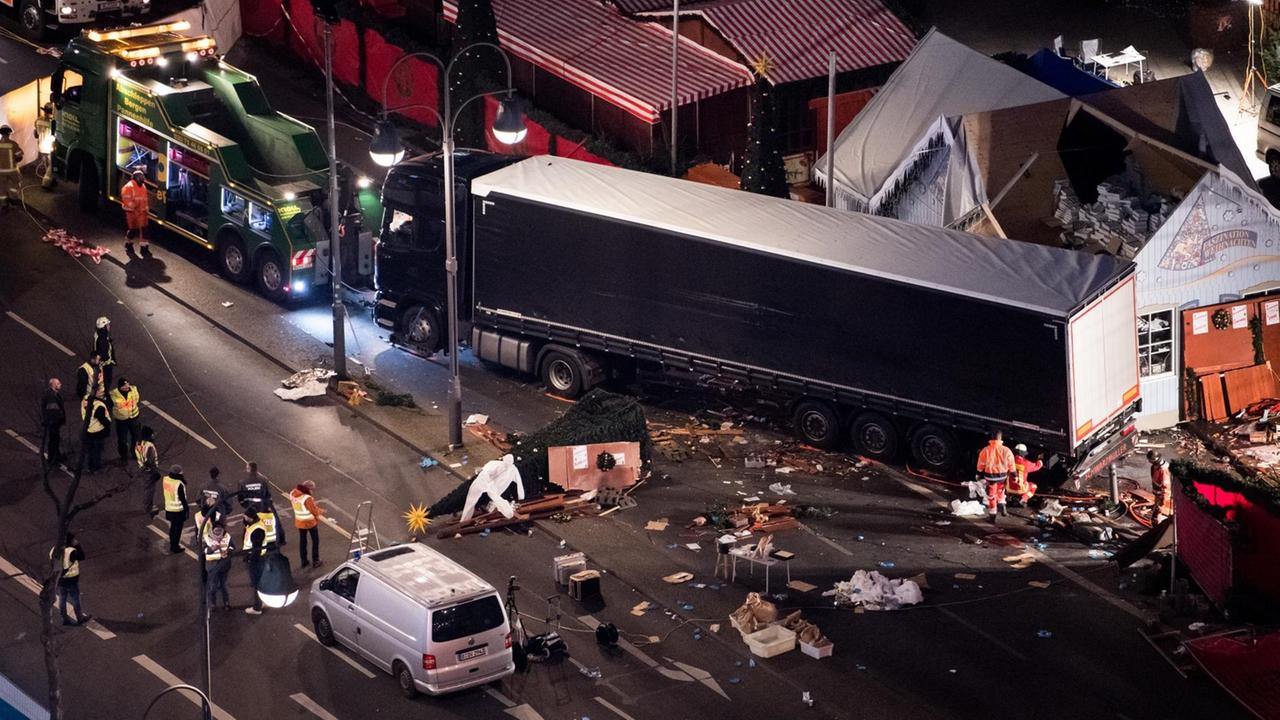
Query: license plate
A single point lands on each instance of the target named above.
(473, 653)
(108, 6)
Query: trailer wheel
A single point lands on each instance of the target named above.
(817, 423)
(934, 448)
(562, 373)
(420, 329)
(88, 189)
(270, 275)
(31, 16)
(875, 436)
(232, 258)
(1273, 164)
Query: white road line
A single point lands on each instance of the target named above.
(39, 332)
(312, 707)
(362, 669)
(497, 695)
(169, 678)
(23, 579)
(828, 541)
(198, 438)
(32, 447)
(988, 636)
(523, 712)
(96, 628)
(165, 536)
(616, 710)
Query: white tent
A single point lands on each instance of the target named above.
(941, 78)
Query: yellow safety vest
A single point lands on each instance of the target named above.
(89, 371)
(300, 511)
(172, 503)
(70, 569)
(95, 425)
(124, 407)
(215, 550)
(141, 450)
(267, 522)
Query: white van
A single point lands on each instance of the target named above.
(1269, 130)
(434, 625)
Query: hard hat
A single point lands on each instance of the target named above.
(102, 322)
(1020, 449)
(5, 129)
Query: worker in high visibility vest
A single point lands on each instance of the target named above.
(217, 560)
(174, 487)
(995, 467)
(10, 176)
(98, 428)
(69, 580)
(1161, 487)
(105, 348)
(306, 517)
(135, 201)
(259, 539)
(148, 458)
(90, 378)
(1020, 487)
(125, 409)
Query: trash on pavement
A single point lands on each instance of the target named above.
(227, 303)
(74, 246)
(801, 586)
(966, 576)
(780, 489)
(640, 608)
(874, 591)
(1052, 508)
(1044, 634)
(677, 578)
(476, 419)
(1039, 584)
(754, 614)
(812, 641)
(656, 525)
(770, 641)
(305, 383)
(967, 508)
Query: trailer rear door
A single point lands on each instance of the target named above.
(1102, 342)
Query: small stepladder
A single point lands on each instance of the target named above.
(364, 533)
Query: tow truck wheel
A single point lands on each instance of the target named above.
(32, 18)
(817, 424)
(232, 258)
(875, 436)
(270, 275)
(934, 448)
(420, 329)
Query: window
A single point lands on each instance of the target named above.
(1273, 109)
(67, 84)
(233, 206)
(260, 218)
(404, 231)
(1155, 343)
(139, 149)
(466, 619)
(344, 583)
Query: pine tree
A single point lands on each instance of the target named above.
(762, 170)
(476, 70)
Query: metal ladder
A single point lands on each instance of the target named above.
(364, 533)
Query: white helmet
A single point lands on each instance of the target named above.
(1020, 449)
(102, 322)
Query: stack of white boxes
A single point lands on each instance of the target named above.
(1116, 224)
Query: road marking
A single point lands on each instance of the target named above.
(523, 712)
(362, 669)
(169, 678)
(32, 447)
(988, 636)
(96, 628)
(497, 695)
(12, 571)
(617, 711)
(39, 332)
(700, 675)
(165, 536)
(832, 543)
(174, 421)
(312, 707)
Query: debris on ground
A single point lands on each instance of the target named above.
(304, 384)
(74, 246)
(873, 591)
(594, 466)
(678, 578)
(801, 586)
(351, 391)
(569, 505)
(387, 398)
(227, 303)
(476, 419)
(780, 489)
(754, 614)
(968, 508)
(427, 462)
(656, 525)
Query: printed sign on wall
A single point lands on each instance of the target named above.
(1239, 316)
(1271, 310)
(1200, 323)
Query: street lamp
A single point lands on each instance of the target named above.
(204, 699)
(385, 149)
(328, 11)
(276, 587)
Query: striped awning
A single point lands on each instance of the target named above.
(798, 35)
(623, 61)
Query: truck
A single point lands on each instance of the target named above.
(222, 168)
(38, 18)
(1268, 148)
(895, 338)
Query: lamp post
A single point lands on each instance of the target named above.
(386, 150)
(204, 699)
(327, 9)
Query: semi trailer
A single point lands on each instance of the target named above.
(896, 338)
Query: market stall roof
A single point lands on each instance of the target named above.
(1038, 278)
(22, 64)
(798, 35)
(621, 60)
(941, 78)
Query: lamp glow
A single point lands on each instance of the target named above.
(509, 127)
(276, 587)
(385, 149)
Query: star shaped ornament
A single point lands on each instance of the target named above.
(763, 65)
(417, 519)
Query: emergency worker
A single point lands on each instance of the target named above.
(135, 201)
(174, 487)
(90, 378)
(97, 432)
(1161, 487)
(148, 458)
(306, 518)
(995, 467)
(105, 348)
(259, 539)
(10, 177)
(124, 413)
(1021, 488)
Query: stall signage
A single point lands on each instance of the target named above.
(1271, 309)
(1187, 253)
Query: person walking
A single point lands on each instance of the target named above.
(52, 417)
(10, 175)
(214, 496)
(105, 348)
(259, 539)
(174, 486)
(306, 517)
(97, 431)
(217, 563)
(148, 459)
(69, 580)
(124, 413)
(996, 467)
(90, 378)
(135, 201)
(255, 495)
(1161, 488)
(1020, 487)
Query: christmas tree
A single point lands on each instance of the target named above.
(475, 70)
(762, 169)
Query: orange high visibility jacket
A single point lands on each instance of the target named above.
(1161, 485)
(133, 198)
(1022, 467)
(995, 459)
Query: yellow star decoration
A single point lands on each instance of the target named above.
(763, 65)
(417, 519)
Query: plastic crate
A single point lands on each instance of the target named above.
(819, 651)
(773, 640)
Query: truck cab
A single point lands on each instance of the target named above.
(409, 268)
(38, 18)
(1269, 130)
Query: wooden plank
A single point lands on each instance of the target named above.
(1214, 405)
(1247, 386)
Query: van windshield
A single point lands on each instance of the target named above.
(467, 619)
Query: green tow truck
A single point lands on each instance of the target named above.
(222, 168)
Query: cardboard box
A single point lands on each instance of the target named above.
(575, 467)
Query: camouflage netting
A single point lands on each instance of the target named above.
(599, 417)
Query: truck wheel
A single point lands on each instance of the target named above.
(31, 16)
(420, 329)
(232, 258)
(817, 424)
(88, 189)
(404, 678)
(271, 276)
(875, 436)
(1273, 164)
(324, 630)
(562, 373)
(934, 448)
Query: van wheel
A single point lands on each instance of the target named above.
(404, 678)
(420, 329)
(562, 373)
(270, 274)
(934, 448)
(324, 631)
(875, 436)
(817, 424)
(233, 261)
(88, 191)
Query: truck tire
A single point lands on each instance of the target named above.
(419, 328)
(1273, 164)
(816, 423)
(31, 19)
(563, 374)
(233, 260)
(875, 436)
(935, 449)
(270, 275)
(88, 190)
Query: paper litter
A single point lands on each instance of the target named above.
(780, 489)
(476, 419)
(303, 384)
(656, 525)
(875, 592)
(967, 508)
(977, 488)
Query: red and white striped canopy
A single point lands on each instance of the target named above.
(624, 61)
(798, 35)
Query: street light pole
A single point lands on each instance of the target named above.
(451, 267)
(831, 128)
(206, 661)
(335, 248)
(675, 69)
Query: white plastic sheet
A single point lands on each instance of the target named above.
(873, 591)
